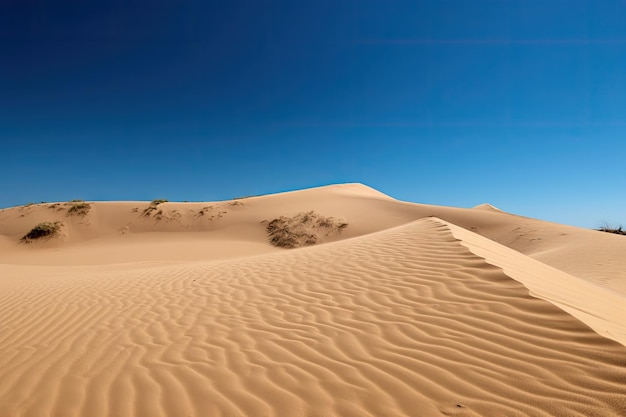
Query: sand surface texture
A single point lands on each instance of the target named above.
(412, 310)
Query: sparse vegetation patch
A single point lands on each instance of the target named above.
(79, 209)
(304, 229)
(203, 211)
(611, 229)
(147, 212)
(45, 230)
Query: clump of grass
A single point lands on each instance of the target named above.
(611, 229)
(304, 229)
(45, 230)
(79, 209)
(152, 207)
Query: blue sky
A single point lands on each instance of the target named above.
(519, 103)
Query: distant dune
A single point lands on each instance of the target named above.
(384, 308)
(487, 206)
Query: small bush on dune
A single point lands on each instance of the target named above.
(158, 201)
(304, 229)
(79, 209)
(45, 230)
(610, 229)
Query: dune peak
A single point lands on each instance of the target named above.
(272, 304)
(486, 206)
(352, 188)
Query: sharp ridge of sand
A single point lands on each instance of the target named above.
(402, 321)
(598, 307)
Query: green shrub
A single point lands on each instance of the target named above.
(45, 230)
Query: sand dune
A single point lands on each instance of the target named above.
(403, 314)
(598, 307)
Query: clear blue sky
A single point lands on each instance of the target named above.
(519, 103)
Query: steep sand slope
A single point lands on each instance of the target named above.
(598, 307)
(589, 254)
(403, 322)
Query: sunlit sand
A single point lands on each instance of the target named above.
(398, 309)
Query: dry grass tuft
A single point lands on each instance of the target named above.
(79, 209)
(610, 229)
(45, 230)
(304, 229)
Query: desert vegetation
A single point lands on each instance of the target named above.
(45, 230)
(147, 212)
(79, 209)
(619, 230)
(303, 229)
(204, 211)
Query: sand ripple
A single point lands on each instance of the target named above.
(405, 322)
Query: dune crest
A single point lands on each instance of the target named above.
(167, 309)
(599, 308)
(400, 321)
